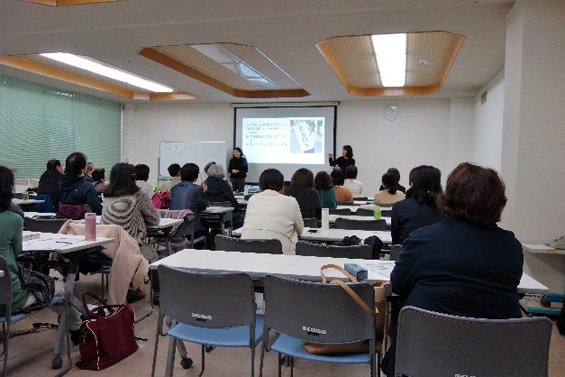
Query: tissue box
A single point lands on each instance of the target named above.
(354, 269)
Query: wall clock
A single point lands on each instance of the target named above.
(391, 112)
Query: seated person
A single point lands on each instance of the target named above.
(324, 186)
(273, 215)
(351, 182)
(389, 194)
(302, 189)
(188, 195)
(50, 178)
(342, 194)
(398, 186)
(141, 178)
(174, 173)
(219, 190)
(11, 228)
(465, 265)
(420, 206)
(100, 185)
(90, 167)
(73, 189)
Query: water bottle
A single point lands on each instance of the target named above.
(377, 213)
(246, 190)
(325, 218)
(156, 188)
(90, 226)
(25, 195)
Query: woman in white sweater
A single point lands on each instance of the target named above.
(273, 215)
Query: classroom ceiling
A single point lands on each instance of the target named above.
(286, 32)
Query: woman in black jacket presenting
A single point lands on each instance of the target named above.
(238, 170)
(344, 161)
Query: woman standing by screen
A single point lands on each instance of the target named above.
(238, 170)
(344, 161)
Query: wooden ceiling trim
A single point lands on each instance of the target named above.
(62, 3)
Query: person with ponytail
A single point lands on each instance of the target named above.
(420, 206)
(389, 194)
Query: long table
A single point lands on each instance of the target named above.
(296, 266)
(358, 218)
(334, 235)
(72, 251)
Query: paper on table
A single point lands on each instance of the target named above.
(382, 268)
(51, 243)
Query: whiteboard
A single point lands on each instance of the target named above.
(197, 152)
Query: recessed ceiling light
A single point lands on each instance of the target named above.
(390, 52)
(91, 65)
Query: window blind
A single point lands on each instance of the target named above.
(39, 123)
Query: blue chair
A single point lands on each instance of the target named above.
(321, 313)
(9, 318)
(214, 310)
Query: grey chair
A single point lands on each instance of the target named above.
(365, 212)
(360, 198)
(345, 223)
(269, 246)
(334, 251)
(214, 310)
(340, 211)
(434, 344)
(311, 222)
(43, 225)
(9, 317)
(300, 311)
(395, 251)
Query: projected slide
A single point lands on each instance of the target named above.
(293, 140)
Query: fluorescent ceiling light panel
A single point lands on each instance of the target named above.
(113, 73)
(229, 60)
(390, 52)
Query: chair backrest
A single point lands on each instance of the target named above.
(365, 212)
(44, 225)
(269, 246)
(334, 251)
(360, 198)
(311, 222)
(317, 312)
(220, 204)
(206, 300)
(345, 223)
(340, 211)
(435, 344)
(5, 285)
(185, 229)
(395, 251)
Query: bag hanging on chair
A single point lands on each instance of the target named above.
(107, 336)
(378, 312)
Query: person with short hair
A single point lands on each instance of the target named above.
(389, 194)
(99, 177)
(141, 178)
(218, 190)
(273, 215)
(324, 185)
(346, 159)
(342, 194)
(188, 195)
(302, 189)
(206, 167)
(351, 182)
(464, 265)
(238, 170)
(73, 189)
(90, 167)
(420, 206)
(50, 178)
(174, 173)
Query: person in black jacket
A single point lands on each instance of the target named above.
(302, 189)
(344, 161)
(219, 191)
(465, 265)
(50, 178)
(238, 170)
(397, 186)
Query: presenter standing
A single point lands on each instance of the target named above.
(238, 170)
(344, 161)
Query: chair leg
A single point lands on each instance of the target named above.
(203, 360)
(279, 363)
(171, 357)
(159, 328)
(292, 367)
(262, 357)
(6, 333)
(253, 360)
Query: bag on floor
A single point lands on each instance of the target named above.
(107, 336)
(378, 313)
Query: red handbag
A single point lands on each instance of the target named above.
(107, 336)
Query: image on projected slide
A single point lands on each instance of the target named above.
(297, 140)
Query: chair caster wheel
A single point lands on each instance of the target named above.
(186, 362)
(57, 362)
(209, 349)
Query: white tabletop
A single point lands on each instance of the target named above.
(355, 207)
(296, 266)
(63, 243)
(541, 249)
(29, 201)
(259, 265)
(215, 210)
(358, 217)
(30, 214)
(333, 235)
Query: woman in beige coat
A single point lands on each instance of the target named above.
(273, 215)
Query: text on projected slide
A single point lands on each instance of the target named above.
(296, 140)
